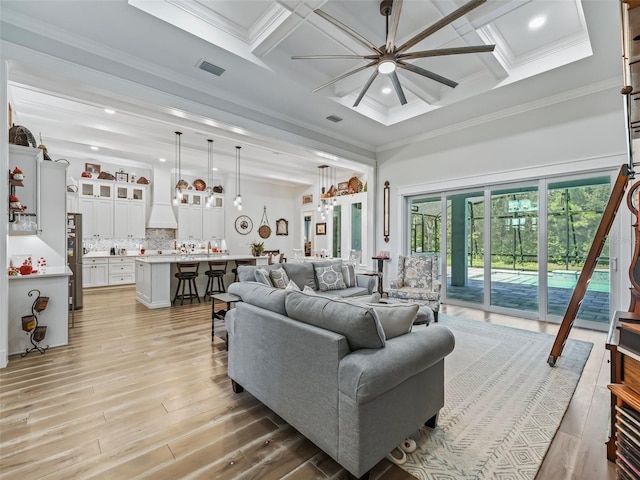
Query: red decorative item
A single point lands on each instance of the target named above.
(26, 269)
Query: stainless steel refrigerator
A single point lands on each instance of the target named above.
(74, 258)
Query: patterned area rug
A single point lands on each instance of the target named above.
(503, 404)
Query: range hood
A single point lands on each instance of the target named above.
(161, 215)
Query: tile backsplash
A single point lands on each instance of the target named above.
(156, 239)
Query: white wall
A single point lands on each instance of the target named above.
(281, 202)
(578, 135)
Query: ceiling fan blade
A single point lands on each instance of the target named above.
(393, 28)
(396, 84)
(332, 57)
(366, 87)
(345, 75)
(443, 22)
(447, 51)
(428, 74)
(353, 34)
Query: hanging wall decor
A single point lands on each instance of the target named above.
(265, 230)
(282, 227)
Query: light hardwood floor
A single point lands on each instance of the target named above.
(143, 393)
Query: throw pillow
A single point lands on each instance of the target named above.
(292, 286)
(309, 290)
(279, 277)
(330, 278)
(396, 319)
(262, 276)
(349, 275)
(357, 323)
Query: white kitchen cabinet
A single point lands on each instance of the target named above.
(189, 222)
(143, 282)
(128, 219)
(97, 217)
(121, 270)
(95, 272)
(133, 192)
(52, 215)
(95, 189)
(212, 223)
(196, 221)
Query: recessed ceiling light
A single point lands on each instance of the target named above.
(94, 148)
(162, 159)
(537, 22)
(386, 90)
(109, 111)
(215, 169)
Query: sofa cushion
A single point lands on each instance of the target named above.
(262, 276)
(373, 298)
(396, 319)
(329, 277)
(247, 273)
(347, 292)
(292, 286)
(301, 273)
(260, 295)
(349, 275)
(279, 277)
(358, 324)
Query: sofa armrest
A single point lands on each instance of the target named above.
(366, 281)
(365, 374)
(397, 283)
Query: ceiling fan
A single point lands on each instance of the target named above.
(387, 58)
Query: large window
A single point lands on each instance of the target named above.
(518, 248)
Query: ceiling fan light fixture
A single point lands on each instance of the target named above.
(386, 67)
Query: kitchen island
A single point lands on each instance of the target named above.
(156, 283)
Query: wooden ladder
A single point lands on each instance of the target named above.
(617, 194)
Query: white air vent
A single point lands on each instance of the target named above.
(334, 118)
(211, 68)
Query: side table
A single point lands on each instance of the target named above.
(229, 299)
(380, 271)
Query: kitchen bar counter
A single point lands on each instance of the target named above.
(155, 280)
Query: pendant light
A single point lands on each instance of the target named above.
(210, 199)
(238, 200)
(324, 178)
(177, 199)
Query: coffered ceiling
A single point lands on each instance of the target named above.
(263, 100)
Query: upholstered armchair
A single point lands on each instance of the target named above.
(418, 281)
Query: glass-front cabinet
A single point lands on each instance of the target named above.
(95, 189)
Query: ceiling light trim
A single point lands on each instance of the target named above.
(182, 15)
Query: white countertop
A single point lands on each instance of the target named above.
(193, 258)
(49, 273)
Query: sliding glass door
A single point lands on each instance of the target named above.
(514, 248)
(519, 248)
(573, 215)
(465, 247)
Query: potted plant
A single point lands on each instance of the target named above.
(257, 248)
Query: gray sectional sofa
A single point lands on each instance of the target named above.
(330, 369)
(305, 274)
